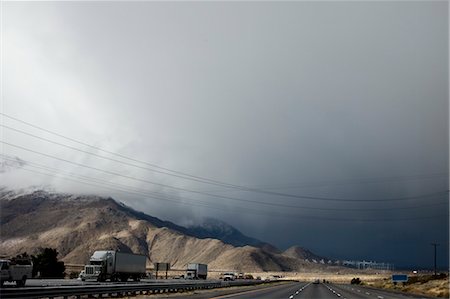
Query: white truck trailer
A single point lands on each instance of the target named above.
(10, 271)
(115, 266)
(197, 271)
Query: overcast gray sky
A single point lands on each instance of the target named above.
(345, 100)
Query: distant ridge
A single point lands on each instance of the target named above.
(298, 252)
(216, 229)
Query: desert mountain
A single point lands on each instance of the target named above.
(77, 225)
(298, 252)
(216, 229)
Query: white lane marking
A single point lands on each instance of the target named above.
(301, 289)
(380, 297)
(334, 292)
(367, 293)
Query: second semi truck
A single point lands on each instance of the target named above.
(197, 271)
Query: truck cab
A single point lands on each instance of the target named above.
(100, 265)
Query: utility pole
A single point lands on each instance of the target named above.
(435, 246)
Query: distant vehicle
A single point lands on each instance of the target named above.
(115, 266)
(240, 276)
(18, 271)
(316, 281)
(248, 276)
(229, 276)
(197, 271)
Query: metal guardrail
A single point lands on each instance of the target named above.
(115, 289)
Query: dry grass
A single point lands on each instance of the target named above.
(419, 284)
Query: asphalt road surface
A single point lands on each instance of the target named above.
(299, 290)
(291, 290)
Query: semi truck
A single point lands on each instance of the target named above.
(15, 271)
(115, 266)
(197, 271)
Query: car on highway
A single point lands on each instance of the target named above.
(229, 276)
(316, 281)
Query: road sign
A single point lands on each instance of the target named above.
(162, 266)
(399, 278)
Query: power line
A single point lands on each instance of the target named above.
(175, 173)
(180, 176)
(344, 182)
(88, 178)
(108, 158)
(113, 153)
(257, 212)
(221, 196)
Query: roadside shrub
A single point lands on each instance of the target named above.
(47, 265)
(355, 281)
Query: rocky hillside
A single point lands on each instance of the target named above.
(216, 229)
(78, 225)
(298, 252)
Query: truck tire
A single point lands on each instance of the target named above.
(124, 278)
(1, 283)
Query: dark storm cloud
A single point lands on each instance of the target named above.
(329, 99)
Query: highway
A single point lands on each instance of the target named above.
(201, 290)
(299, 290)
